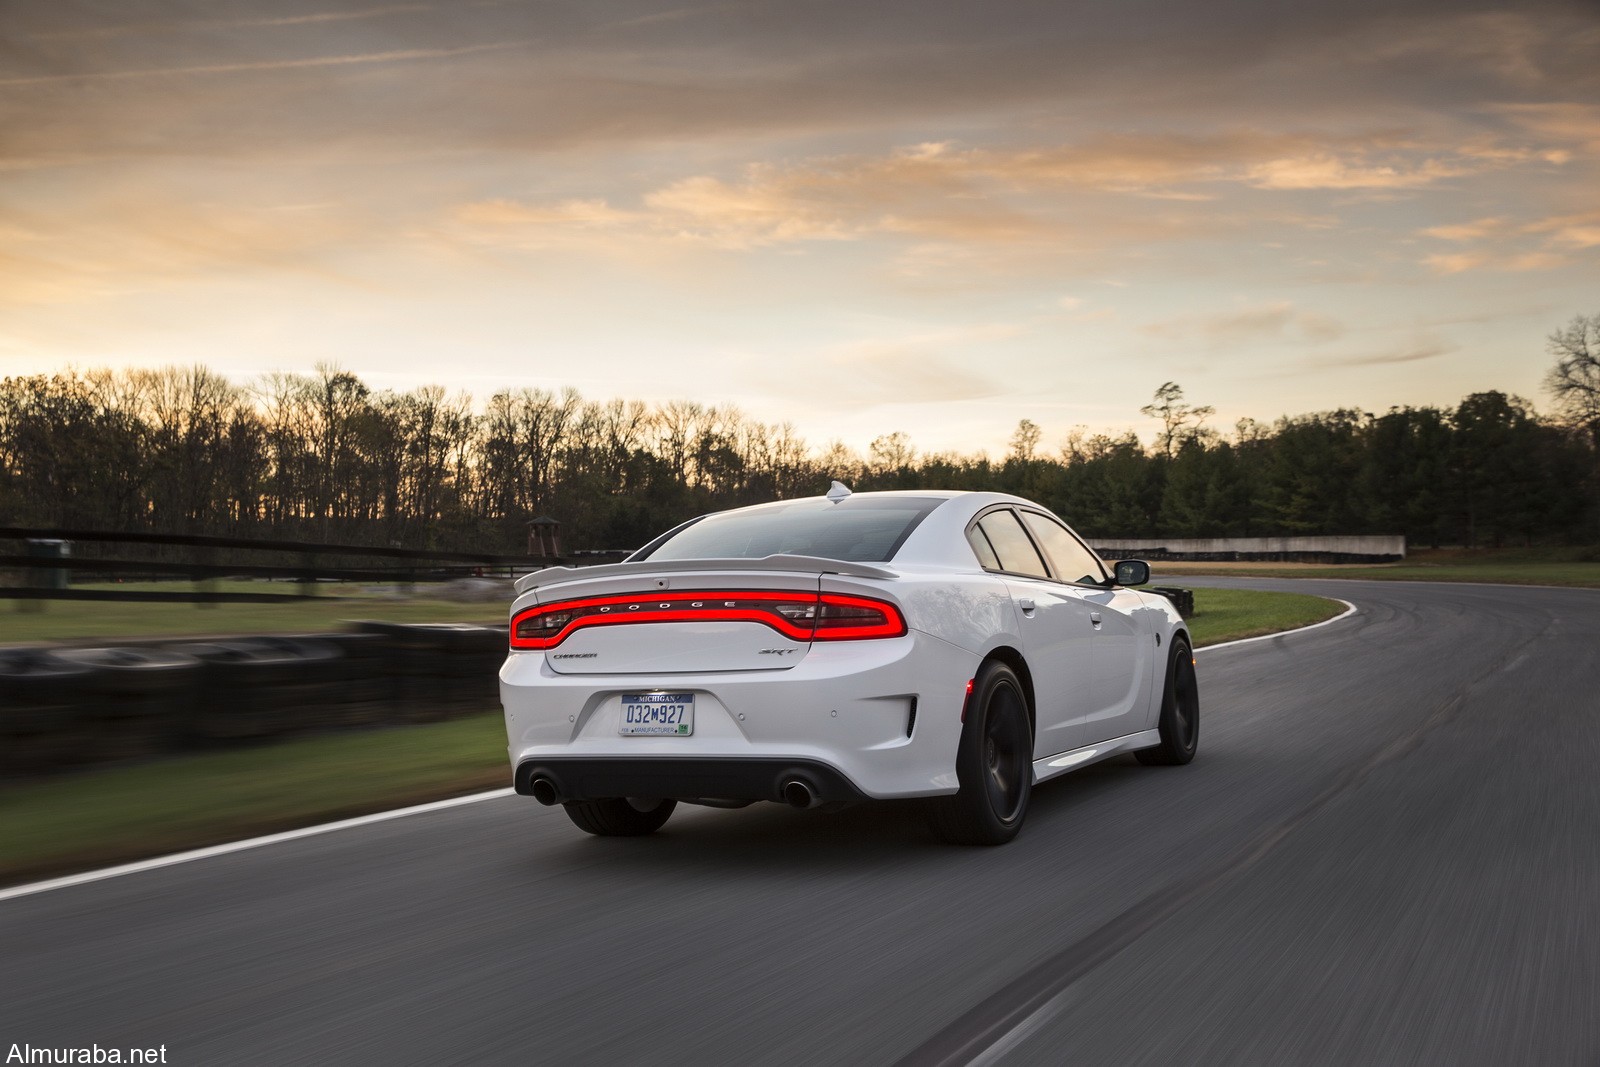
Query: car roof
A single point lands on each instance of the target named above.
(939, 540)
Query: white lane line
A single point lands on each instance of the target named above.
(1349, 610)
(239, 846)
(1025, 1029)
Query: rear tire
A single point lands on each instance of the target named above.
(994, 765)
(1180, 713)
(619, 816)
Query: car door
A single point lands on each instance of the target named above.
(1054, 624)
(1116, 702)
(1119, 693)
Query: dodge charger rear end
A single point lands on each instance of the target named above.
(830, 650)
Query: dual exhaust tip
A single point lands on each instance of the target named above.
(796, 792)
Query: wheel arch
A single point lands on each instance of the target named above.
(1012, 658)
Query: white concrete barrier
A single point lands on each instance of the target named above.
(1380, 548)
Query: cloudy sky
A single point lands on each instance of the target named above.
(856, 216)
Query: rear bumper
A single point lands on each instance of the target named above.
(684, 778)
(873, 719)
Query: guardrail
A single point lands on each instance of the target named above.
(49, 564)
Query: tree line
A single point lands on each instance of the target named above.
(323, 457)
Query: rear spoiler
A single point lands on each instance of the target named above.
(807, 564)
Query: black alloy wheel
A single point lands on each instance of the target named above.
(994, 764)
(1179, 724)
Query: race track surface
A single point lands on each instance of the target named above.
(1387, 851)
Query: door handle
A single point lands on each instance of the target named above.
(1026, 604)
(1094, 617)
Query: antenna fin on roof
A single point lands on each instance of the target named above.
(838, 491)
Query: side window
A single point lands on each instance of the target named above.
(983, 550)
(1072, 562)
(1011, 545)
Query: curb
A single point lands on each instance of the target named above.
(1349, 610)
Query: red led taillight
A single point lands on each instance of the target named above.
(800, 616)
(852, 618)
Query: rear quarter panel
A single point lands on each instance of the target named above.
(973, 611)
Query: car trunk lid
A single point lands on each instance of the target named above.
(686, 616)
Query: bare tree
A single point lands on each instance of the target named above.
(792, 470)
(1025, 440)
(1247, 430)
(187, 411)
(719, 467)
(1574, 381)
(338, 400)
(839, 461)
(1179, 420)
(891, 452)
(1071, 450)
(282, 400)
(674, 423)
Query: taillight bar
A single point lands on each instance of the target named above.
(799, 616)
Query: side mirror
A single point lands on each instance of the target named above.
(1133, 572)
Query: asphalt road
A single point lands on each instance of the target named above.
(1387, 851)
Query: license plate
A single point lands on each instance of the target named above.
(657, 715)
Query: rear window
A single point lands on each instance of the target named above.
(857, 529)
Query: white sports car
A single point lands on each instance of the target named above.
(956, 646)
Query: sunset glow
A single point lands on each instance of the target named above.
(858, 218)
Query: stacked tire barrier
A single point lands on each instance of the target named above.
(44, 712)
(65, 708)
(137, 698)
(259, 687)
(1182, 599)
(438, 668)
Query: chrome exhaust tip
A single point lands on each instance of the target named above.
(799, 794)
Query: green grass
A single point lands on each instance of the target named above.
(1231, 614)
(22, 622)
(123, 813)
